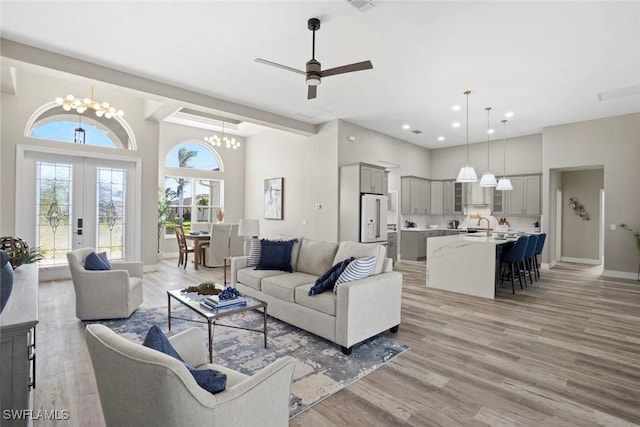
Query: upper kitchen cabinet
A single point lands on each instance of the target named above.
(372, 179)
(437, 202)
(416, 195)
(498, 206)
(524, 199)
(458, 197)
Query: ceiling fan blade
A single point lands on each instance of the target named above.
(311, 93)
(358, 66)
(275, 64)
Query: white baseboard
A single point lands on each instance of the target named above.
(148, 268)
(547, 266)
(620, 274)
(581, 260)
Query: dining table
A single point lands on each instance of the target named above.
(198, 238)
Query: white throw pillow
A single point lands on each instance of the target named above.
(254, 253)
(357, 269)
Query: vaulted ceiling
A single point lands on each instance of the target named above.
(547, 62)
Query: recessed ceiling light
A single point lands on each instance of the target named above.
(455, 124)
(406, 127)
(455, 108)
(441, 138)
(508, 114)
(490, 131)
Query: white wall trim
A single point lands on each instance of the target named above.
(547, 265)
(620, 274)
(581, 260)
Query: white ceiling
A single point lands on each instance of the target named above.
(545, 61)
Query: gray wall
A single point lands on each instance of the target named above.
(580, 238)
(615, 143)
(309, 166)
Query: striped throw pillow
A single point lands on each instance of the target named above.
(254, 253)
(357, 269)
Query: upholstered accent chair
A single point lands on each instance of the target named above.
(140, 386)
(105, 294)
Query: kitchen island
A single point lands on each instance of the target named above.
(467, 264)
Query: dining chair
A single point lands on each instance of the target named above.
(513, 258)
(184, 249)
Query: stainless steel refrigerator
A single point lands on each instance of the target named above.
(373, 218)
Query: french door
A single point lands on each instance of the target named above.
(68, 202)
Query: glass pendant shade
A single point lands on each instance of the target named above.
(488, 180)
(467, 174)
(504, 184)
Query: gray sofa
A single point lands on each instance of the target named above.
(359, 310)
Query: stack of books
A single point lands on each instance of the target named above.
(213, 302)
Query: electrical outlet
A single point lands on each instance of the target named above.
(613, 227)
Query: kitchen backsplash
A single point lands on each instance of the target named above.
(519, 223)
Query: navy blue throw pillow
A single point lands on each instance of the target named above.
(275, 255)
(209, 379)
(96, 261)
(328, 279)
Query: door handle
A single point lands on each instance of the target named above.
(377, 217)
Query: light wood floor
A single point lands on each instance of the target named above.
(565, 352)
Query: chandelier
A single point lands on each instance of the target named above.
(81, 105)
(216, 141)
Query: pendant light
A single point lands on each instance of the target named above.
(505, 183)
(467, 173)
(488, 179)
(79, 133)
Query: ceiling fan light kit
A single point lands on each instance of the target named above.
(313, 69)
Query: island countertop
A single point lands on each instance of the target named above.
(466, 264)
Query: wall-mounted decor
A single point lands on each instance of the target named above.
(578, 209)
(273, 194)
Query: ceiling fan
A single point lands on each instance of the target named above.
(314, 73)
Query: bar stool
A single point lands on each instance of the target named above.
(513, 257)
(528, 257)
(541, 238)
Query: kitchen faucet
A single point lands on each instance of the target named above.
(487, 219)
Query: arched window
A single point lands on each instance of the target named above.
(193, 196)
(193, 155)
(52, 122)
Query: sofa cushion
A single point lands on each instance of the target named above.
(360, 268)
(275, 255)
(252, 278)
(254, 253)
(209, 379)
(359, 250)
(316, 257)
(328, 279)
(283, 285)
(324, 302)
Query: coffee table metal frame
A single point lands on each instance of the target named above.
(192, 301)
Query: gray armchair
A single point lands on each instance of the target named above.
(105, 294)
(139, 386)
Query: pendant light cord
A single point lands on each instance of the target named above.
(504, 149)
(488, 139)
(467, 92)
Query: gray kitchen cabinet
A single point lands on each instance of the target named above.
(409, 245)
(416, 195)
(524, 199)
(498, 206)
(372, 179)
(436, 197)
(447, 197)
(392, 246)
(422, 245)
(459, 198)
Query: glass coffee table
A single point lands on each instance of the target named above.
(212, 316)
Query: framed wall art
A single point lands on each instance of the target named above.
(273, 197)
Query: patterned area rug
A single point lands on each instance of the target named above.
(321, 368)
